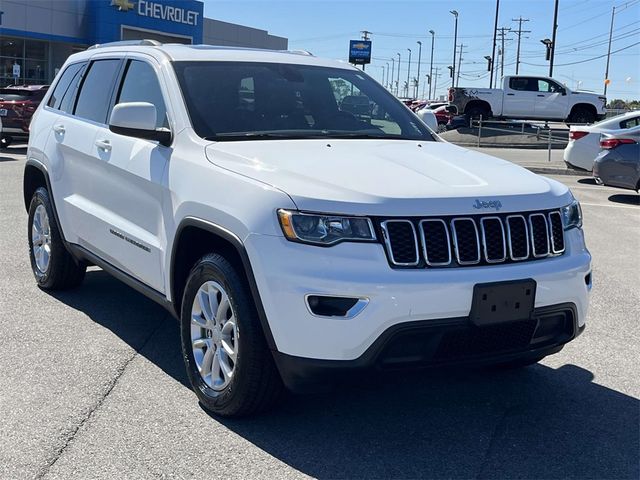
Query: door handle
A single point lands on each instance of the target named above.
(540, 95)
(104, 145)
(58, 128)
(511, 94)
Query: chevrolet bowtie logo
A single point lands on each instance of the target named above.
(123, 5)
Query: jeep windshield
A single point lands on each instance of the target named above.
(231, 101)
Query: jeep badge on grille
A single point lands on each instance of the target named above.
(495, 204)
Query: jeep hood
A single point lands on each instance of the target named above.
(387, 177)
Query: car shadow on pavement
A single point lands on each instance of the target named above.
(537, 422)
(627, 199)
(7, 159)
(587, 181)
(144, 325)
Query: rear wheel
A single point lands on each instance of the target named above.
(475, 112)
(581, 115)
(52, 265)
(228, 363)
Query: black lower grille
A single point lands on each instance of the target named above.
(478, 341)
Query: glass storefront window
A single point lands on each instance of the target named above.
(31, 55)
(12, 47)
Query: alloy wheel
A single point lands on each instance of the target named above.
(214, 335)
(41, 239)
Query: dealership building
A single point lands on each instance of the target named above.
(37, 36)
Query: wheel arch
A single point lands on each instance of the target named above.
(585, 106)
(483, 104)
(196, 237)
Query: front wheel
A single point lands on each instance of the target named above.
(52, 265)
(228, 362)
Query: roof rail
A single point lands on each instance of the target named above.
(299, 52)
(130, 43)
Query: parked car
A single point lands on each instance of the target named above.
(524, 97)
(429, 118)
(584, 140)
(618, 164)
(17, 105)
(293, 241)
(444, 114)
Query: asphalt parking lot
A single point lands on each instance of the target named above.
(92, 385)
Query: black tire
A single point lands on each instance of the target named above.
(5, 142)
(581, 115)
(256, 385)
(63, 271)
(475, 112)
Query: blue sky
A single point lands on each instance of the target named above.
(325, 27)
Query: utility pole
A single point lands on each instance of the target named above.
(365, 36)
(519, 32)
(433, 37)
(459, 64)
(418, 75)
(455, 44)
(606, 72)
(553, 38)
(493, 52)
(386, 83)
(503, 34)
(424, 85)
(408, 71)
(393, 68)
(398, 80)
(435, 81)
(382, 67)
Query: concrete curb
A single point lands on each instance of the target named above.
(509, 145)
(556, 171)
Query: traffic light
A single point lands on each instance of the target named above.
(450, 71)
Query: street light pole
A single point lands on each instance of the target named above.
(398, 80)
(606, 72)
(418, 75)
(433, 37)
(393, 68)
(455, 43)
(408, 71)
(386, 83)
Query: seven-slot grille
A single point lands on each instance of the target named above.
(473, 240)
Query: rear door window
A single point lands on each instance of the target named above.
(96, 89)
(630, 122)
(66, 80)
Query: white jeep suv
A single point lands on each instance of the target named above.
(292, 238)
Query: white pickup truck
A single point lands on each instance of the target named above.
(525, 97)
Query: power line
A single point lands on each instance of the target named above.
(584, 61)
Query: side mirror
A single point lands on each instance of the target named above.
(138, 119)
(563, 91)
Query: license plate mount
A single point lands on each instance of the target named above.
(502, 302)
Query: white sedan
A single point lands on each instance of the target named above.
(429, 118)
(584, 141)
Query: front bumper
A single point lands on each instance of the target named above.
(286, 272)
(446, 342)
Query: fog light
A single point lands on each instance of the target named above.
(337, 307)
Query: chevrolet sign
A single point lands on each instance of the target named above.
(159, 11)
(360, 52)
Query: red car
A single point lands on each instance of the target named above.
(17, 105)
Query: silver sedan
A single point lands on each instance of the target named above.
(618, 163)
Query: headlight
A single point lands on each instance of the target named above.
(572, 215)
(320, 229)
